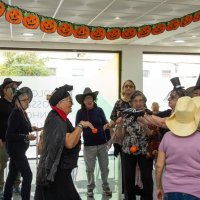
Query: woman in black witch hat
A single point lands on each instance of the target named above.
(17, 142)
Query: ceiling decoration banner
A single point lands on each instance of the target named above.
(31, 20)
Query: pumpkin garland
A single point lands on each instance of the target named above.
(31, 20)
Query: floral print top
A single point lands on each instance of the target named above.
(119, 106)
(134, 135)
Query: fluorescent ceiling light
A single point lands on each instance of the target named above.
(179, 41)
(117, 17)
(194, 36)
(27, 34)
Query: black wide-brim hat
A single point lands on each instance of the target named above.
(7, 81)
(23, 90)
(59, 94)
(87, 92)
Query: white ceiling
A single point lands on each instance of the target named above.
(103, 13)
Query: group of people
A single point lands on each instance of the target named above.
(137, 133)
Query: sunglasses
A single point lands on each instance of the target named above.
(128, 86)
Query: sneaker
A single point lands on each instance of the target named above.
(107, 192)
(90, 193)
(17, 190)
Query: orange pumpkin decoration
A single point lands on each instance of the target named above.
(173, 24)
(65, 29)
(133, 149)
(95, 130)
(144, 31)
(158, 29)
(2, 8)
(196, 16)
(128, 33)
(13, 15)
(98, 33)
(31, 21)
(186, 20)
(48, 25)
(113, 33)
(81, 32)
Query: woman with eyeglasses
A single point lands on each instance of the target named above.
(160, 118)
(60, 150)
(18, 136)
(134, 151)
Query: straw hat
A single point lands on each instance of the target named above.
(185, 119)
(87, 92)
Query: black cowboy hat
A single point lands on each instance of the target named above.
(23, 90)
(7, 81)
(87, 92)
(59, 94)
(190, 90)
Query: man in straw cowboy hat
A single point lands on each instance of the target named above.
(7, 90)
(179, 153)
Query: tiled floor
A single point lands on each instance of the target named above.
(79, 177)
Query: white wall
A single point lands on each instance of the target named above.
(131, 55)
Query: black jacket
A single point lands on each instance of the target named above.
(54, 153)
(6, 108)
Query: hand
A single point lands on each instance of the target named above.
(86, 124)
(160, 194)
(106, 126)
(31, 136)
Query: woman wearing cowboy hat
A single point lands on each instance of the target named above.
(17, 142)
(7, 90)
(179, 153)
(95, 142)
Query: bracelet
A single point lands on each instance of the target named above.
(80, 126)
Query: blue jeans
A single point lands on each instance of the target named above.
(179, 196)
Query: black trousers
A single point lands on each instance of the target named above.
(146, 167)
(61, 189)
(18, 163)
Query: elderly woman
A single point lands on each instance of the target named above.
(160, 118)
(95, 142)
(61, 146)
(134, 150)
(17, 142)
(179, 154)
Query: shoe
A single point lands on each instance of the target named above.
(107, 192)
(17, 190)
(90, 193)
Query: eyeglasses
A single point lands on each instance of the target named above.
(25, 100)
(171, 97)
(130, 86)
